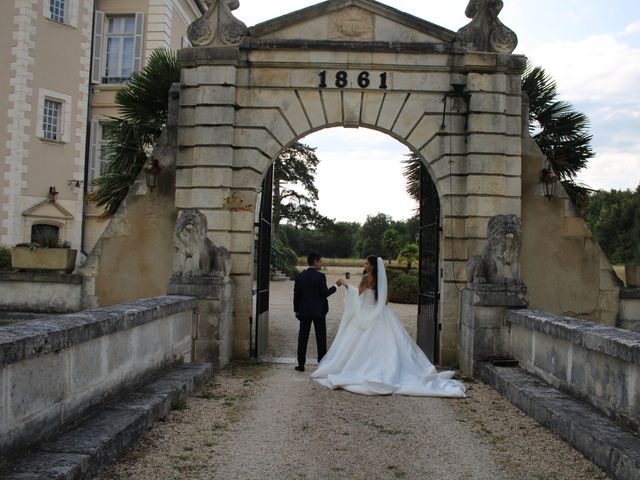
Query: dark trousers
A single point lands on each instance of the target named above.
(320, 327)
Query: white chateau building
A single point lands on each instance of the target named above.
(63, 62)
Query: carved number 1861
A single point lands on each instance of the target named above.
(342, 79)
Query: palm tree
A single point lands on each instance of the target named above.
(561, 132)
(409, 253)
(143, 109)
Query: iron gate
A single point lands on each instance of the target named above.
(263, 256)
(429, 278)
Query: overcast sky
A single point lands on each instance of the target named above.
(592, 49)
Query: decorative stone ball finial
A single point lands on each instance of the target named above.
(486, 33)
(218, 27)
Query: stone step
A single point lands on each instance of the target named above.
(599, 438)
(80, 453)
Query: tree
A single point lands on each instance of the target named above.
(370, 237)
(294, 191)
(411, 171)
(391, 243)
(614, 218)
(143, 107)
(409, 253)
(561, 132)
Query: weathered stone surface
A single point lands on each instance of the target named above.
(502, 252)
(82, 451)
(594, 362)
(486, 33)
(601, 440)
(484, 331)
(53, 370)
(218, 27)
(196, 253)
(46, 292)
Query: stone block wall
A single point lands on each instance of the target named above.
(630, 309)
(596, 363)
(484, 331)
(239, 108)
(40, 292)
(54, 370)
(562, 263)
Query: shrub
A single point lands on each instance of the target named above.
(403, 289)
(292, 272)
(5, 258)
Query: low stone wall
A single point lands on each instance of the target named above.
(40, 292)
(630, 309)
(54, 370)
(593, 362)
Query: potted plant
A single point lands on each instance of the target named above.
(48, 255)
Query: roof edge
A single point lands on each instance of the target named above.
(373, 6)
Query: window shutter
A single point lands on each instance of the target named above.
(98, 27)
(94, 153)
(137, 48)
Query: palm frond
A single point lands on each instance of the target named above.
(142, 114)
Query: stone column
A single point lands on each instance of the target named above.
(484, 331)
(212, 331)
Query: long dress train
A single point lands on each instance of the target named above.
(372, 354)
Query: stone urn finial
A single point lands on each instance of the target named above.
(486, 33)
(218, 27)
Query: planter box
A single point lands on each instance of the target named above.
(48, 259)
(632, 275)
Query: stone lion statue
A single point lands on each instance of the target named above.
(504, 244)
(197, 255)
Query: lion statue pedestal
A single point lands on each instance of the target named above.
(490, 292)
(203, 270)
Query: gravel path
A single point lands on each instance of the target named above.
(270, 422)
(265, 421)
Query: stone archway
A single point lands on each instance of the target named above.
(246, 94)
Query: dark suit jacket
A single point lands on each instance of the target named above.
(310, 295)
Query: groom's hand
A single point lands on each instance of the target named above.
(340, 282)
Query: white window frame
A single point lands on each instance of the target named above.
(64, 120)
(95, 156)
(101, 35)
(70, 12)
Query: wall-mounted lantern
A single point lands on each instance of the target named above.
(549, 181)
(76, 185)
(153, 169)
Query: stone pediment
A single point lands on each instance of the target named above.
(48, 209)
(352, 21)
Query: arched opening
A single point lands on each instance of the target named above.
(273, 312)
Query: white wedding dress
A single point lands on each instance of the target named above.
(372, 354)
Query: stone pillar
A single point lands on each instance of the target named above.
(213, 321)
(484, 332)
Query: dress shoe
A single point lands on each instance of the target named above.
(300, 368)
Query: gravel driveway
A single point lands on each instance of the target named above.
(266, 421)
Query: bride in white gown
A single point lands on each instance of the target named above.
(372, 354)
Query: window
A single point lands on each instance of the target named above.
(120, 43)
(100, 138)
(47, 236)
(117, 47)
(57, 10)
(54, 116)
(51, 120)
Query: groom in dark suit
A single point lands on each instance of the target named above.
(310, 304)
